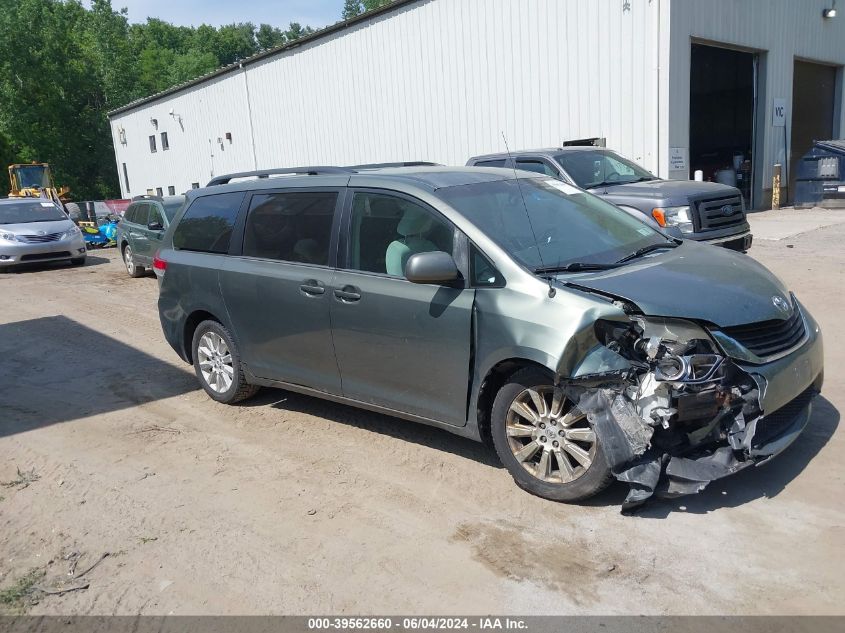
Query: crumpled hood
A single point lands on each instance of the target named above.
(693, 281)
(669, 189)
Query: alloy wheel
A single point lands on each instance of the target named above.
(215, 362)
(128, 260)
(549, 436)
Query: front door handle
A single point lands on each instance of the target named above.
(348, 294)
(312, 288)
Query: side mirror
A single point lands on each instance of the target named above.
(435, 267)
(155, 226)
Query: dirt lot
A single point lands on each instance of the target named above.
(289, 504)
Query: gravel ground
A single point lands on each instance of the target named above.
(289, 504)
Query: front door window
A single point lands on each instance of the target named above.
(386, 230)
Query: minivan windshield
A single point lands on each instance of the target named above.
(598, 168)
(30, 211)
(557, 226)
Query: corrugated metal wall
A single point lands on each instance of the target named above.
(206, 112)
(780, 30)
(436, 80)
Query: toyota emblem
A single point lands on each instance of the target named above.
(781, 304)
(42, 232)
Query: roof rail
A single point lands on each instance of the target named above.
(266, 173)
(148, 196)
(410, 163)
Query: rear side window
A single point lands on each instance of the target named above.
(170, 209)
(207, 224)
(499, 162)
(291, 227)
(538, 166)
(141, 214)
(155, 216)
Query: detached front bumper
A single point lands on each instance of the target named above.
(13, 253)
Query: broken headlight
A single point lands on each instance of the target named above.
(674, 349)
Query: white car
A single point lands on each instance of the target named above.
(36, 230)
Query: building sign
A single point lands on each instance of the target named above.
(678, 158)
(779, 112)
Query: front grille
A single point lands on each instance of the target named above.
(33, 257)
(773, 425)
(40, 239)
(768, 338)
(712, 213)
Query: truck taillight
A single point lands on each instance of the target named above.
(159, 264)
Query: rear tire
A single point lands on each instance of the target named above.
(132, 268)
(548, 446)
(217, 364)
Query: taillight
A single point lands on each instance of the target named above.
(159, 264)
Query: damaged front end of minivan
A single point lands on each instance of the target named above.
(671, 409)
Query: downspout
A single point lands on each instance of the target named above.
(657, 109)
(249, 113)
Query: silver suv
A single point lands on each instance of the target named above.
(581, 343)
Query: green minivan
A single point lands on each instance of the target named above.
(505, 306)
(141, 229)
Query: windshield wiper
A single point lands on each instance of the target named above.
(647, 249)
(574, 267)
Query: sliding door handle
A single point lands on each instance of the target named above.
(348, 294)
(312, 288)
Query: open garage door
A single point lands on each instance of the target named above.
(722, 104)
(813, 106)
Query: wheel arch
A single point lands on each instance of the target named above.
(191, 322)
(493, 380)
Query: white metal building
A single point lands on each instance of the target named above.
(677, 85)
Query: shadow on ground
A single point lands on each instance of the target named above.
(55, 370)
(21, 269)
(405, 430)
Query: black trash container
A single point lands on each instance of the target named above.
(820, 181)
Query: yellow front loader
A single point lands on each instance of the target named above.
(35, 180)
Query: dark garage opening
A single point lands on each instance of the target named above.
(813, 106)
(722, 115)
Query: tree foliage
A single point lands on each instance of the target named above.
(64, 66)
(352, 8)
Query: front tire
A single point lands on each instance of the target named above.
(548, 446)
(132, 268)
(217, 364)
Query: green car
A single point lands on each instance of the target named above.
(504, 306)
(140, 231)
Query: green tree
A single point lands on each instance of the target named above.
(63, 67)
(296, 30)
(351, 8)
(269, 37)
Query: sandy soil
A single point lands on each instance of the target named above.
(290, 504)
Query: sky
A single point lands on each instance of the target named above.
(314, 13)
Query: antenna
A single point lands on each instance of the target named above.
(552, 291)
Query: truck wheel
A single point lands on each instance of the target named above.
(545, 442)
(218, 364)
